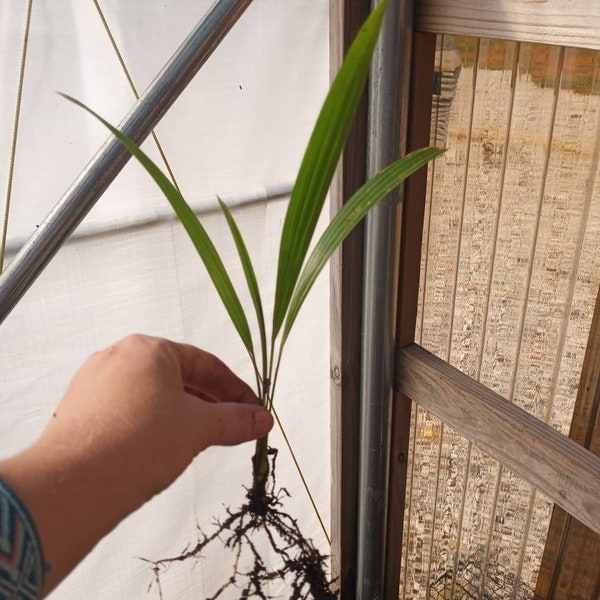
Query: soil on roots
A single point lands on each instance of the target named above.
(292, 558)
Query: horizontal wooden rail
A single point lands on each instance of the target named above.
(560, 22)
(560, 468)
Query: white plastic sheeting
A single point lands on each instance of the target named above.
(238, 131)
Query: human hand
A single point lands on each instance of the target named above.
(152, 405)
(132, 419)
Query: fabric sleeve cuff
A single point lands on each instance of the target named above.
(22, 568)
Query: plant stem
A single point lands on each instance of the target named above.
(260, 460)
(260, 468)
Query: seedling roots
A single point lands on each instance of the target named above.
(292, 558)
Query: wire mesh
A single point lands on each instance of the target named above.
(477, 579)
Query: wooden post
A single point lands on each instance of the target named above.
(411, 234)
(571, 565)
(346, 17)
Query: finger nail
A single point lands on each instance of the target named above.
(263, 421)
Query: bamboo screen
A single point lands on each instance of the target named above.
(510, 273)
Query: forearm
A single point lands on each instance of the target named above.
(73, 499)
(131, 421)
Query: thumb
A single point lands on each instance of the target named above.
(231, 423)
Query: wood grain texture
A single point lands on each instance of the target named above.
(558, 467)
(527, 329)
(559, 22)
(411, 234)
(570, 566)
(346, 17)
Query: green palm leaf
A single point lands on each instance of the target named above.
(202, 242)
(250, 279)
(346, 220)
(320, 160)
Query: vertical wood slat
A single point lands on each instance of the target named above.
(346, 17)
(570, 562)
(516, 54)
(485, 518)
(412, 217)
(507, 487)
(438, 335)
(464, 282)
(407, 564)
(585, 544)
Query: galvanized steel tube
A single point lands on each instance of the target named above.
(112, 157)
(386, 142)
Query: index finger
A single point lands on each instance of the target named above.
(204, 372)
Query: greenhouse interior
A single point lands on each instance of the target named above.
(436, 426)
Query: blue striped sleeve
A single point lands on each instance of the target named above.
(21, 560)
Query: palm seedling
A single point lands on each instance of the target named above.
(296, 274)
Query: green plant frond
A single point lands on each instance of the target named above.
(346, 220)
(320, 160)
(250, 280)
(202, 242)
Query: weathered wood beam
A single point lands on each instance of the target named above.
(557, 466)
(559, 22)
(346, 17)
(411, 235)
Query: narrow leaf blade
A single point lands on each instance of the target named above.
(202, 242)
(320, 160)
(250, 279)
(346, 220)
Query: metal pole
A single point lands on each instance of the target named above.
(78, 200)
(387, 124)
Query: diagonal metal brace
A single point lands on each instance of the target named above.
(92, 182)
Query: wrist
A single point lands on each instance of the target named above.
(74, 499)
(22, 566)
